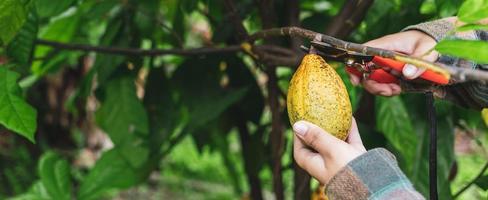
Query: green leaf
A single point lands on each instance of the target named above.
(111, 171)
(473, 11)
(50, 8)
(164, 112)
(472, 50)
(445, 140)
(122, 114)
(469, 27)
(60, 30)
(36, 192)
(201, 91)
(12, 17)
(21, 47)
(393, 120)
(15, 114)
(55, 176)
(482, 182)
(251, 105)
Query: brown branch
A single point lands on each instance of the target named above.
(351, 14)
(236, 20)
(139, 52)
(268, 17)
(458, 74)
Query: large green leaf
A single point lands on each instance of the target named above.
(445, 148)
(55, 176)
(468, 49)
(473, 10)
(61, 30)
(201, 91)
(49, 8)
(394, 122)
(20, 49)
(111, 171)
(36, 192)
(482, 182)
(15, 114)
(122, 114)
(251, 106)
(12, 17)
(469, 27)
(164, 112)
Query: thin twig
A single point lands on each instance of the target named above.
(283, 57)
(139, 52)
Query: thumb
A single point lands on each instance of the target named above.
(424, 52)
(411, 71)
(316, 138)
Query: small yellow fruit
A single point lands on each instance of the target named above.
(318, 95)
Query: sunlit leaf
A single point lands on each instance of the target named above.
(49, 8)
(55, 176)
(472, 50)
(15, 114)
(20, 48)
(473, 10)
(36, 192)
(111, 171)
(469, 27)
(122, 114)
(12, 17)
(484, 115)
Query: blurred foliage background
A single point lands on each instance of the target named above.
(156, 99)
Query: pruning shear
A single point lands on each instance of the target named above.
(371, 67)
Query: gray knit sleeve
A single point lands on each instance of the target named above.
(437, 29)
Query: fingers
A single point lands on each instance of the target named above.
(382, 89)
(355, 80)
(308, 160)
(316, 138)
(354, 139)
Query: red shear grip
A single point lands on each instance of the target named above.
(381, 76)
(386, 62)
(398, 66)
(434, 77)
(354, 71)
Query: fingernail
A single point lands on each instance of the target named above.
(409, 70)
(300, 128)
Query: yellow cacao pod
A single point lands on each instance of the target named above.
(317, 94)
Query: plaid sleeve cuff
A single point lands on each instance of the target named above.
(373, 175)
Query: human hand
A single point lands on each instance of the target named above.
(321, 154)
(413, 43)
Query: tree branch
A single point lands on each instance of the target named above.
(236, 20)
(268, 17)
(458, 74)
(266, 53)
(139, 52)
(351, 14)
